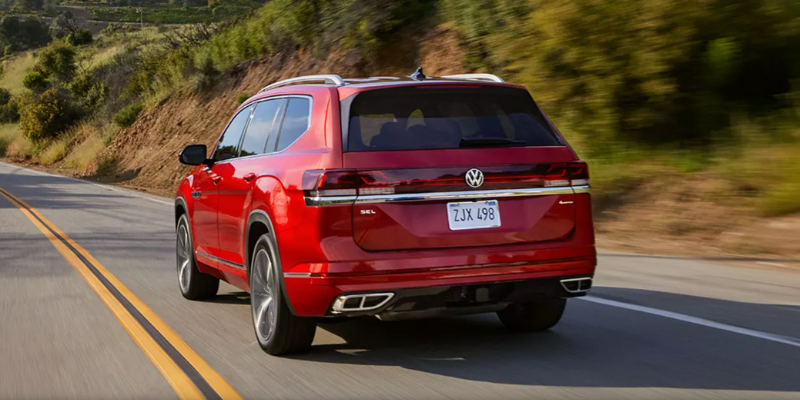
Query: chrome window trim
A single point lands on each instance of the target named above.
(454, 196)
(217, 259)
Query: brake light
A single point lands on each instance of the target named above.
(571, 174)
(332, 183)
(320, 183)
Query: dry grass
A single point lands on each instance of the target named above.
(84, 156)
(19, 149)
(55, 151)
(13, 144)
(14, 70)
(8, 132)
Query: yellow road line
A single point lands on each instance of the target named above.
(168, 364)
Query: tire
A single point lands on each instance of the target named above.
(534, 316)
(278, 331)
(194, 284)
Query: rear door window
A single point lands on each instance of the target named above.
(423, 118)
(229, 142)
(296, 121)
(264, 117)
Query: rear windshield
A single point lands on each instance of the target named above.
(423, 118)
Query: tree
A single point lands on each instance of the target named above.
(58, 60)
(30, 5)
(80, 37)
(23, 33)
(45, 116)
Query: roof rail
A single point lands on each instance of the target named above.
(477, 77)
(328, 79)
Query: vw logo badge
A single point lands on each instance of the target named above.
(474, 178)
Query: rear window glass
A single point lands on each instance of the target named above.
(442, 118)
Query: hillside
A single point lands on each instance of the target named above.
(696, 188)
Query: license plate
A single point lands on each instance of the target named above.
(473, 215)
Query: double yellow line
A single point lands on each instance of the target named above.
(188, 374)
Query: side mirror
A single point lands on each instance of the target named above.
(193, 154)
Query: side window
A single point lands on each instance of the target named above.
(226, 149)
(295, 122)
(255, 139)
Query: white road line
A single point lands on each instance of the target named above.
(126, 191)
(697, 321)
(771, 264)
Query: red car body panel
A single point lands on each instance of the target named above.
(326, 251)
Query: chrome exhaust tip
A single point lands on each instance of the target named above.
(360, 302)
(577, 285)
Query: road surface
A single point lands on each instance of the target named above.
(653, 327)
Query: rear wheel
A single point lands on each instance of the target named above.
(534, 316)
(278, 330)
(194, 284)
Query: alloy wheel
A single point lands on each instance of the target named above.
(184, 257)
(262, 294)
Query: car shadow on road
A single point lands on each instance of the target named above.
(594, 346)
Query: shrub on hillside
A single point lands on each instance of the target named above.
(36, 82)
(23, 33)
(5, 96)
(58, 60)
(127, 116)
(9, 111)
(80, 37)
(242, 97)
(46, 116)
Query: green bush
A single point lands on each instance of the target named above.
(127, 116)
(242, 97)
(36, 82)
(23, 33)
(9, 112)
(44, 117)
(5, 96)
(58, 60)
(80, 37)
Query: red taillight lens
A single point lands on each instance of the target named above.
(571, 174)
(320, 183)
(331, 183)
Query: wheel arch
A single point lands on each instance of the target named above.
(180, 209)
(259, 223)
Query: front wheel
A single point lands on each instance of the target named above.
(534, 316)
(278, 330)
(194, 284)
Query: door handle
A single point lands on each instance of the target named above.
(249, 177)
(216, 179)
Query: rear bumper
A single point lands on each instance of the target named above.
(432, 288)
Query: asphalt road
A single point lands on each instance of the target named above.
(653, 327)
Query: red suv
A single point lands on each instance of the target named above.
(389, 197)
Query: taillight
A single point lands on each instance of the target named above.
(343, 183)
(320, 183)
(571, 174)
